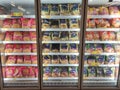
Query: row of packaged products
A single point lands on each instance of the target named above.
(101, 59)
(18, 36)
(103, 36)
(100, 48)
(20, 72)
(19, 23)
(62, 59)
(60, 72)
(100, 72)
(60, 9)
(60, 48)
(56, 35)
(103, 10)
(103, 23)
(19, 48)
(62, 23)
(12, 59)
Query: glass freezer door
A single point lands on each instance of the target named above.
(18, 43)
(102, 44)
(60, 32)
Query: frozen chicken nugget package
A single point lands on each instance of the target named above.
(64, 59)
(100, 72)
(63, 23)
(56, 35)
(24, 22)
(27, 48)
(33, 36)
(73, 48)
(75, 9)
(64, 72)
(27, 60)
(32, 72)
(16, 23)
(26, 36)
(7, 23)
(55, 47)
(47, 72)
(45, 10)
(114, 10)
(73, 72)
(109, 48)
(9, 36)
(17, 36)
(11, 60)
(55, 59)
(109, 72)
(110, 59)
(19, 59)
(74, 23)
(17, 48)
(91, 72)
(115, 22)
(9, 48)
(34, 59)
(45, 23)
(32, 23)
(46, 48)
(73, 59)
(55, 72)
(64, 9)
(64, 48)
(34, 48)
(64, 35)
(46, 36)
(46, 59)
(54, 9)
(74, 36)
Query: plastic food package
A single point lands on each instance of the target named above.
(115, 22)
(27, 48)
(109, 72)
(54, 10)
(64, 36)
(118, 36)
(85, 72)
(91, 72)
(16, 23)
(32, 72)
(73, 59)
(117, 48)
(56, 36)
(47, 72)
(55, 59)
(11, 60)
(93, 11)
(18, 72)
(110, 59)
(74, 36)
(25, 22)
(19, 59)
(91, 23)
(2, 48)
(91, 60)
(32, 23)
(75, 9)
(73, 72)
(46, 47)
(74, 23)
(89, 36)
(17, 48)
(55, 47)
(100, 59)
(103, 23)
(96, 48)
(117, 59)
(25, 71)
(36, 71)
(100, 72)
(54, 24)
(3, 59)
(87, 48)
(7, 23)
(64, 72)
(64, 48)
(46, 36)
(17, 36)
(73, 48)
(96, 36)
(9, 72)
(55, 72)
(34, 48)
(2, 35)
(103, 11)
(45, 9)
(46, 59)
(109, 48)
(9, 36)
(26, 36)
(85, 60)
(1, 23)
(45, 23)
(34, 59)
(64, 59)
(64, 9)
(27, 60)
(63, 23)
(114, 10)
(33, 36)
(8, 48)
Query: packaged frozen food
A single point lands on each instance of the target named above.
(18, 72)
(64, 36)
(118, 36)
(54, 10)
(55, 72)
(27, 59)
(32, 23)
(27, 48)
(85, 72)
(54, 24)
(55, 47)
(17, 36)
(26, 36)
(109, 48)
(55, 35)
(103, 23)
(73, 36)
(11, 60)
(103, 10)
(116, 72)
(45, 9)
(47, 72)
(33, 36)
(73, 72)
(34, 59)
(24, 22)
(9, 72)
(25, 71)
(96, 48)
(87, 48)
(74, 23)
(104, 36)
(32, 72)
(2, 36)
(117, 59)
(91, 60)
(73, 48)
(91, 23)
(93, 11)
(96, 36)
(2, 48)
(46, 47)
(89, 36)
(3, 59)
(73, 59)
(17, 48)
(110, 59)
(109, 72)
(46, 59)
(85, 60)
(115, 22)
(1, 23)
(114, 10)
(75, 9)
(100, 72)
(16, 23)
(19, 59)
(9, 36)
(8, 48)
(46, 36)
(91, 72)
(117, 48)
(64, 9)
(36, 71)
(64, 72)
(45, 23)
(55, 59)
(63, 23)
(34, 47)
(7, 23)
(100, 59)
(64, 48)
(64, 59)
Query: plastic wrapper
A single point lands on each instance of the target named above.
(55, 59)
(19, 59)
(114, 10)
(24, 22)
(91, 72)
(110, 59)
(32, 72)
(33, 36)
(46, 59)
(9, 36)
(75, 9)
(74, 23)
(64, 9)
(54, 10)
(73, 48)
(85, 60)
(85, 72)
(64, 59)
(92, 23)
(64, 36)
(56, 35)
(25, 71)
(93, 11)
(103, 10)
(7, 23)
(8, 48)
(100, 72)
(117, 59)
(27, 60)
(109, 48)
(64, 72)
(45, 23)
(54, 24)
(26, 36)
(2, 36)
(64, 48)
(45, 9)
(89, 36)
(17, 36)
(46, 47)
(109, 72)
(73, 36)
(100, 59)
(27, 48)
(32, 23)
(55, 72)
(11, 60)
(16, 23)
(34, 59)
(117, 48)
(46, 36)
(47, 72)
(63, 23)
(103, 23)
(34, 48)
(91, 60)
(55, 47)
(115, 23)
(36, 71)
(73, 59)
(73, 72)
(96, 36)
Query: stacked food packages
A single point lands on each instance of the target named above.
(13, 64)
(102, 48)
(60, 10)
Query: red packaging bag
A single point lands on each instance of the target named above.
(25, 71)
(17, 36)
(34, 48)
(25, 22)
(103, 11)
(26, 36)
(36, 71)
(7, 23)
(27, 60)
(34, 59)
(103, 23)
(89, 36)
(114, 10)
(17, 48)
(19, 59)
(8, 48)
(11, 60)
(32, 23)
(27, 48)
(9, 36)
(33, 36)
(115, 22)
(32, 72)
(92, 24)
(18, 72)
(10, 72)
(96, 36)
(16, 23)
(104, 36)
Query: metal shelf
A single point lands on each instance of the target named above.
(102, 54)
(21, 42)
(19, 64)
(99, 78)
(16, 29)
(60, 78)
(62, 65)
(60, 42)
(103, 29)
(13, 79)
(101, 81)
(18, 54)
(61, 29)
(61, 17)
(103, 16)
(60, 54)
(114, 42)
(103, 65)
